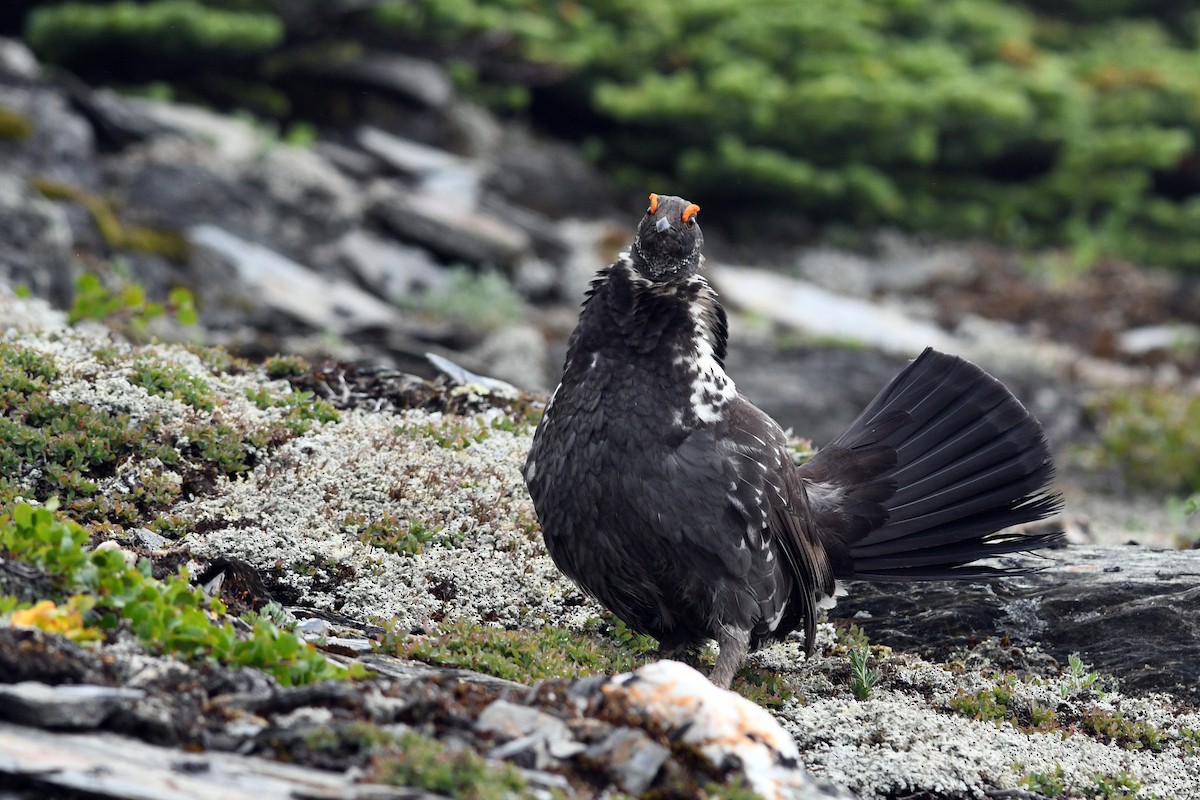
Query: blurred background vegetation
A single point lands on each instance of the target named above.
(1037, 122)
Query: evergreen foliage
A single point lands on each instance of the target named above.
(71, 32)
(966, 117)
(1036, 123)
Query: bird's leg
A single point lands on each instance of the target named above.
(734, 644)
(686, 652)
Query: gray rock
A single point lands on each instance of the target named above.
(68, 706)
(414, 79)
(548, 177)
(149, 539)
(547, 237)
(450, 230)
(36, 248)
(313, 628)
(118, 120)
(630, 758)
(274, 283)
(898, 263)
(406, 671)
(823, 314)
(537, 279)
(288, 198)
(1129, 611)
(507, 721)
(348, 646)
(721, 727)
(1158, 339)
(229, 138)
(62, 145)
(18, 61)
(438, 173)
(407, 157)
(464, 377)
(116, 767)
(350, 160)
(390, 269)
(516, 354)
(476, 130)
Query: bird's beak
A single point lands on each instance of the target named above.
(662, 225)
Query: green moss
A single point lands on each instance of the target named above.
(357, 740)
(997, 704)
(763, 687)
(168, 380)
(65, 449)
(520, 655)
(451, 432)
(304, 409)
(391, 533)
(278, 366)
(862, 677)
(171, 526)
(220, 361)
(737, 789)
(56, 449)
(118, 236)
(459, 773)
(1112, 726)
(168, 244)
(1077, 680)
(221, 446)
(169, 616)
(14, 125)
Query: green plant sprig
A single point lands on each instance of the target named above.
(169, 616)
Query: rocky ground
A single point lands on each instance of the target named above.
(402, 526)
(974, 692)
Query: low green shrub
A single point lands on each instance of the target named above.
(170, 616)
(68, 33)
(1150, 435)
(968, 117)
(53, 447)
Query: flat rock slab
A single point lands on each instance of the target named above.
(66, 706)
(104, 765)
(1129, 611)
(464, 235)
(819, 312)
(292, 289)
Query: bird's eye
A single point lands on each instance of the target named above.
(689, 214)
(653, 204)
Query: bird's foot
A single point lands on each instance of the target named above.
(686, 653)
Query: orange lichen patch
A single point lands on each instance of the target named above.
(690, 212)
(653, 203)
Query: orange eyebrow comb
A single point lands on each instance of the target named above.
(653, 203)
(690, 212)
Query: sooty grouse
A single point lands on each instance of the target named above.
(673, 500)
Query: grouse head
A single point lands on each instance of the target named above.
(668, 242)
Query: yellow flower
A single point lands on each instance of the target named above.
(33, 617)
(64, 620)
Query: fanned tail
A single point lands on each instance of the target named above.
(929, 476)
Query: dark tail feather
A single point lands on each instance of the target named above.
(924, 481)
